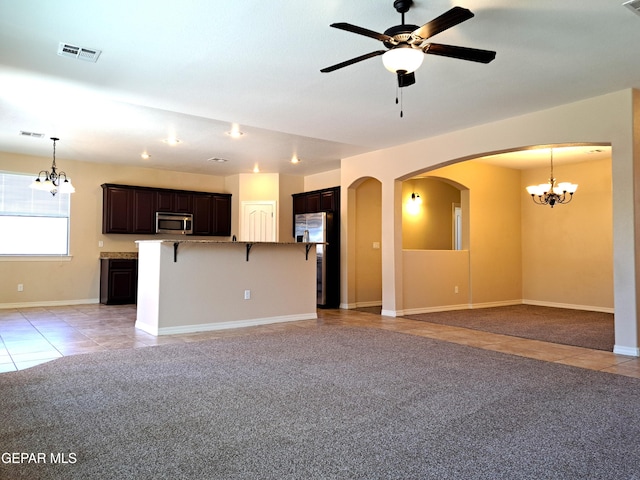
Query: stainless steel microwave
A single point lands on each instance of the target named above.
(179, 223)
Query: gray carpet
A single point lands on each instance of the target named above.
(324, 403)
(557, 325)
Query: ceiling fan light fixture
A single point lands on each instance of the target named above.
(402, 58)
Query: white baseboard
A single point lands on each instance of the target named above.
(441, 308)
(629, 351)
(505, 303)
(352, 306)
(51, 303)
(374, 303)
(570, 306)
(207, 327)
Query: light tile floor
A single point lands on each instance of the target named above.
(32, 336)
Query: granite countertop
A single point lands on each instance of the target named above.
(123, 255)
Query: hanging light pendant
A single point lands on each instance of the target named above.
(551, 193)
(53, 181)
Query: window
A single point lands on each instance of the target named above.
(32, 222)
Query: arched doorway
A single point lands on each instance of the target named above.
(366, 222)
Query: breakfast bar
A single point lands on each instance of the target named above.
(199, 285)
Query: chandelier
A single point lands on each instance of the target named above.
(551, 192)
(51, 181)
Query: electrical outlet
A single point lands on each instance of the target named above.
(247, 294)
(376, 245)
(100, 244)
(455, 289)
(20, 287)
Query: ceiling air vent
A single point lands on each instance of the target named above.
(633, 5)
(31, 134)
(81, 53)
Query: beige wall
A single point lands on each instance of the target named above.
(77, 279)
(321, 181)
(493, 229)
(368, 231)
(568, 250)
(605, 119)
(430, 225)
(435, 280)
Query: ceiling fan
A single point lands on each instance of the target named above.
(406, 43)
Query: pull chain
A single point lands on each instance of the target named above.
(399, 101)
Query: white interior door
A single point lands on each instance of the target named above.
(258, 221)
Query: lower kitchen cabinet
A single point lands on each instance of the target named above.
(118, 281)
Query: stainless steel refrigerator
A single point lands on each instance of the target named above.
(318, 227)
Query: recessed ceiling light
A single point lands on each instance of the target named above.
(145, 156)
(295, 160)
(172, 141)
(256, 169)
(235, 131)
(217, 160)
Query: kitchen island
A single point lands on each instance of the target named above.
(199, 285)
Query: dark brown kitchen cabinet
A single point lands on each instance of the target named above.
(326, 200)
(212, 215)
(165, 200)
(313, 202)
(117, 213)
(118, 281)
(299, 203)
(222, 215)
(202, 214)
(131, 210)
(174, 202)
(184, 202)
(144, 211)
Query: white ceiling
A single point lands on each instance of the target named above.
(194, 68)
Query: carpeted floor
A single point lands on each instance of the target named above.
(324, 403)
(556, 325)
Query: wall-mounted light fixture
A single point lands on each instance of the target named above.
(413, 204)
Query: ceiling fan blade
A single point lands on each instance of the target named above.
(463, 53)
(445, 21)
(352, 61)
(363, 31)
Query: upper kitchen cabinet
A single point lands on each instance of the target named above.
(144, 211)
(117, 209)
(222, 215)
(131, 210)
(327, 200)
(203, 214)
